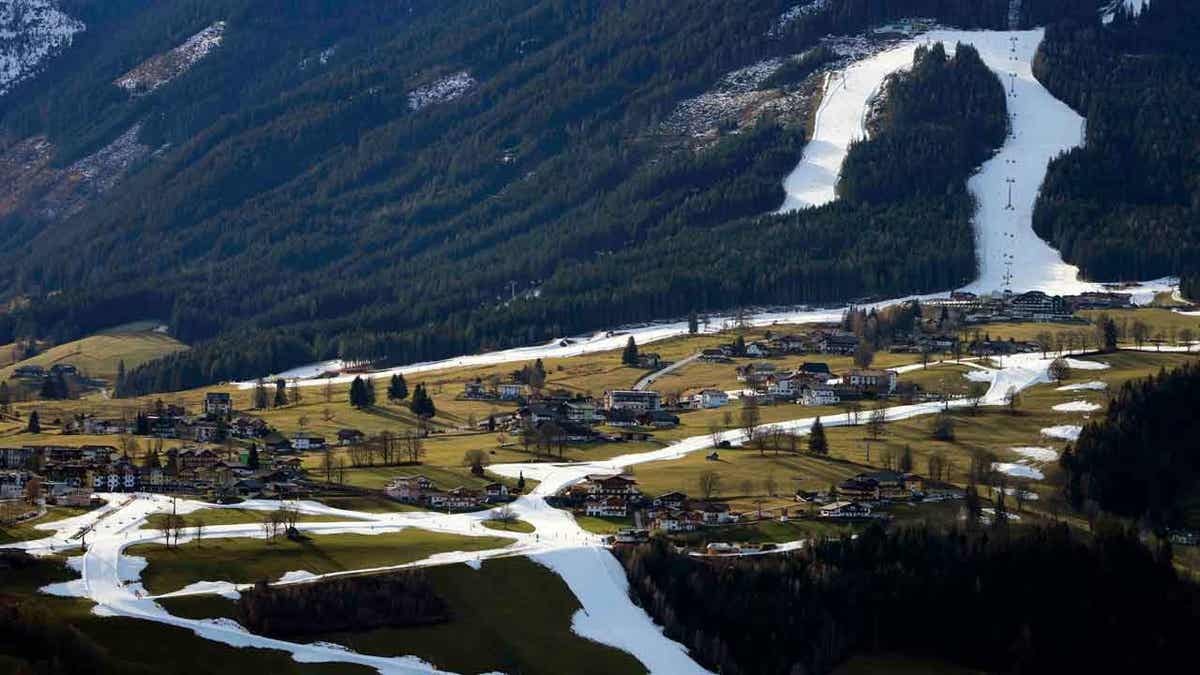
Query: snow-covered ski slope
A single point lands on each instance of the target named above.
(1042, 128)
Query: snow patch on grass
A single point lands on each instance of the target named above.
(1077, 406)
(1017, 470)
(1037, 454)
(1067, 432)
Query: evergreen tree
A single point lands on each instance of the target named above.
(693, 323)
(397, 388)
(739, 345)
(281, 396)
(358, 393)
(172, 466)
(906, 460)
(119, 386)
(252, 457)
(5, 398)
(152, 460)
(48, 391)
(369, 390)
(629, 357)
(817, 443)
(260, 395)
(34, 425)
(422, 405)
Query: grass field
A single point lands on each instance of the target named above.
(597, 525)
(27, 531)
(744, 474)
(211, 517)
(251, 560)
(98, 355)
(514, 526)
(494, 626)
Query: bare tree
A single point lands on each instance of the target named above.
(750, 417)
(198, 528)
(715, 432)
(505, 515)
(709, 483)
(975, 393)
(414, 447)
(1012, 399)
(877, 423)
(770, 484)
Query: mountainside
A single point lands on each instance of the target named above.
(388, 181)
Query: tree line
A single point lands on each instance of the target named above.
(1142, 458)
(1032, 600)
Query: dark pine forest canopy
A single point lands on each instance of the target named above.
(302, 213)
(1127, 204)
(1142, 459)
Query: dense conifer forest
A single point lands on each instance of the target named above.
(1142, 459)
(299, 208)
(1127, 204)
(1040, 600)
(358, 603)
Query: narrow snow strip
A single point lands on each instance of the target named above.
(1037, 454)
(1094, 385)
(1077, 406)
(1067, 432)
(608, 617)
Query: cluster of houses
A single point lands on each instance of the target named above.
(70, 474)
(856, 497)
(810, 383)
(1030, 306)
(618, 496)
(422, 491)
(575, 418)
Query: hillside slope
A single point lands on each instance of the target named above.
(396, 182)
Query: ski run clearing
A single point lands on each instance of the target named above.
(112, 579)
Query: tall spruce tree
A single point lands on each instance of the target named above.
(397, 388)
(358, 393)
(629, 357)
(817, 443)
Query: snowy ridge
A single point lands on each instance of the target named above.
(31, 31)
(441, 91)
(158, 70)
(806, 8)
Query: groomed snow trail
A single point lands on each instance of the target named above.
(1042, 127)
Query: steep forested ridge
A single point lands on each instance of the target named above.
(1142, 459)
(1037, 601)
(298, 206)
(1127, 204)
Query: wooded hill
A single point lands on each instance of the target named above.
(1038, 600)
(1142, 459)
(299, 207)
(1127, 204)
